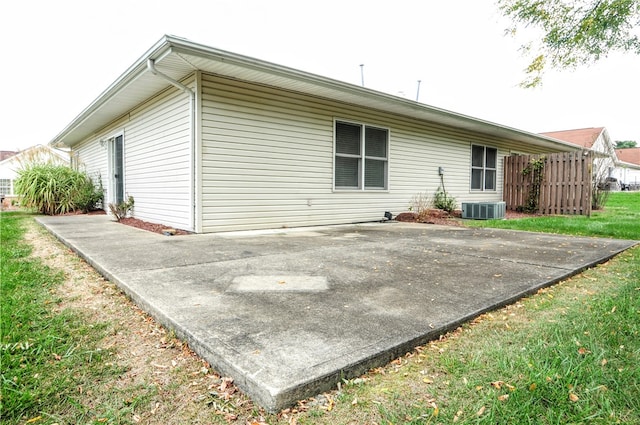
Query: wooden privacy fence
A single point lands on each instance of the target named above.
(565, 185)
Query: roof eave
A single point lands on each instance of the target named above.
(349, 93)
(126, 78)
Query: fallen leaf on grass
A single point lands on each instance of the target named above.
(583, 351)
(499, 384)
(481, 411)
(226, 383)
(503, 397)
(573, 397)
(330, 403)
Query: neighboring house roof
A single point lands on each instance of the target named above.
(629, 155)
(37, 153)
(583, 137)
(6, 154)
(177, 58)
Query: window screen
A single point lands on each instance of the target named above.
(5, 187)
(348, 138)
(361, 157)
(484, 162)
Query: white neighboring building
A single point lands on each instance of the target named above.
(597, 140)
(10, 166)
(627, 169)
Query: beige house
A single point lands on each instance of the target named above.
(208, 141)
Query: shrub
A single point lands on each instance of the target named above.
(443, 201)
(57, 189)
(420, 203)
(122, 209)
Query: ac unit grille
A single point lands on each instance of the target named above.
(483, 210)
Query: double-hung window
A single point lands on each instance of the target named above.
(5, 187)
(484, 162)
(361, 157)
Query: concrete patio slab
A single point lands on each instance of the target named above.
(289, 313)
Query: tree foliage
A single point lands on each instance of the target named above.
(574, 33)
(624, 144)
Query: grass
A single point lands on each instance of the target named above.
(47, 354)
(618, 220)
(568, 354)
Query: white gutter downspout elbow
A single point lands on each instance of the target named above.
(151, 66)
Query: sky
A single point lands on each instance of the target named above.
(58, 56)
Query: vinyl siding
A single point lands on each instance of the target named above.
(157, 158)
(91, 157)
(267, 160)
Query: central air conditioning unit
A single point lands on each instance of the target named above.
(483, 210)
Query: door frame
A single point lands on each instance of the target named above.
(116, 167)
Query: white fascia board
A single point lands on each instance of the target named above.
(329, 88)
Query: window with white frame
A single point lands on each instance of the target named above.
(5, 187)
(361, 161)
(484, 162)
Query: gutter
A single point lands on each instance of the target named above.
(151, 66)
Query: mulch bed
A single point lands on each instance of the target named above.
(430, 216)
(152, 227)
(435, 216)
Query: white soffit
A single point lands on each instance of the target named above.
(178, 58)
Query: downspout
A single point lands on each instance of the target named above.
(151, 66)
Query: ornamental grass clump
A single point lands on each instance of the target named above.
(57, 189)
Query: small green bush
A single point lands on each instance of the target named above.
(122, 209)
(57, 189)
(444, 201)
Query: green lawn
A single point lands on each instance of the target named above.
(619, 219)
(46, 353)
